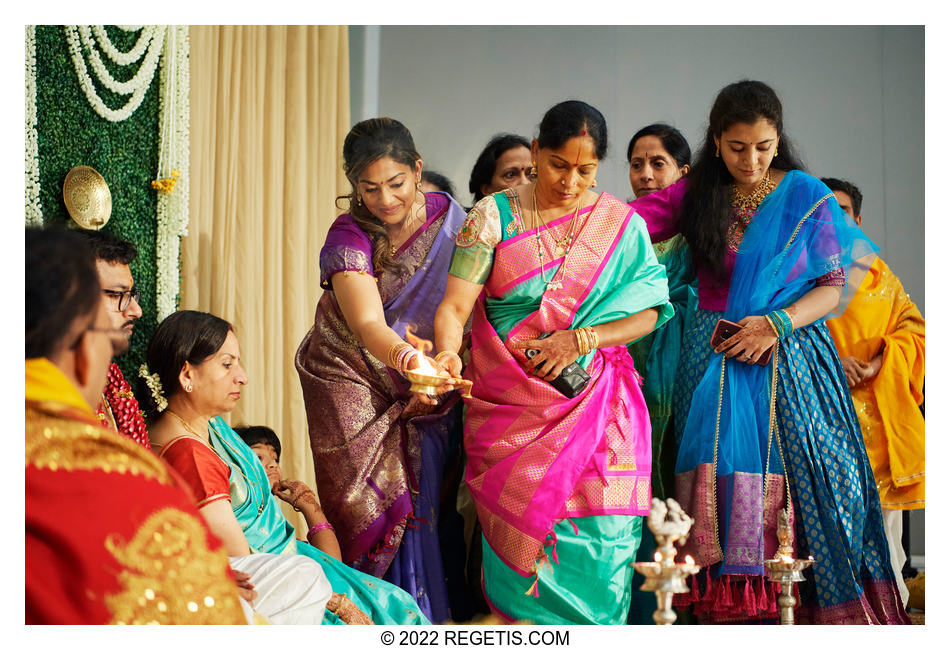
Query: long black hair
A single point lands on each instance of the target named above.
(192, 336)
(487, 161)
(707, 205)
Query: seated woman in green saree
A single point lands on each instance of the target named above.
(195, 357)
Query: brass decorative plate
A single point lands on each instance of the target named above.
(87, 197)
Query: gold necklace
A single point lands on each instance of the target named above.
(249, 482)
(751, 202)
(405, 224)
(554, 282)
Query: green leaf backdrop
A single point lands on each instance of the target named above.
(70, 133)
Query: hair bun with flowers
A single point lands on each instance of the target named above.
(154, 383)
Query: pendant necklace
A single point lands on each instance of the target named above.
(561, 245)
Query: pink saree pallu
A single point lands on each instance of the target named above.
(536, 457)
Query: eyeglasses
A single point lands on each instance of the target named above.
(123, 298)
(116, 336)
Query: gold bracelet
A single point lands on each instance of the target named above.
(595, 339)
(772, 325)
(579, 335)
(394, 351)
(587, 340)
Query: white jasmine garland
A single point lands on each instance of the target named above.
(142, 79)
(173, 156)
(34, 211)
(154, 383)
(123, 58)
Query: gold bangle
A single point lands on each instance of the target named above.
(595, 339)
(587, 341)
(390, 358)
(578, 334)
(394, 351)
(772, 325)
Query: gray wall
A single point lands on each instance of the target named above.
(853, 99)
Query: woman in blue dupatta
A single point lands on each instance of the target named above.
(379, 455)
(777, 256)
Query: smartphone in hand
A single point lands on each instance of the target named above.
(726, 329)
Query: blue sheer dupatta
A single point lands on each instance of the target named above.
(798, 234)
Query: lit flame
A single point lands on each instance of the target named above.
(657, 557)
(786, 559)
(689, 559)
(423, 348)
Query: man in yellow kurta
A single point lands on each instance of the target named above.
(880, 339)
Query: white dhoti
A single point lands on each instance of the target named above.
(291, 589)
(893, 530)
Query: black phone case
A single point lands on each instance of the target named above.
(572, 380)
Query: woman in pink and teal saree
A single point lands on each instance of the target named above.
(560, 474)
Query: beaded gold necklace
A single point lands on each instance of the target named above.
(743, 209)
(752, 201)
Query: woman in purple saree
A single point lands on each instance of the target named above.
(379, 454)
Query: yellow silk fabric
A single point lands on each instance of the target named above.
(881, 318)
(44, 382)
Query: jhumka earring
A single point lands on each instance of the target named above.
(359, 199)
(534, 170)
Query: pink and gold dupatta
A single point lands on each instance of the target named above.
(534, 456)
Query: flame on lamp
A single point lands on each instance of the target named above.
(786, 559)
(689, 559)
(657, 557)
(423, 347)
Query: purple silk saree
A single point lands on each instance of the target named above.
(378, 473)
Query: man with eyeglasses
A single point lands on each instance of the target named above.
(118, 409)
(110, 534)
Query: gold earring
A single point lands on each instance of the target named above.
(594, 184)
(717, 150)
(534, 170)
(359, 199)
(188, 388)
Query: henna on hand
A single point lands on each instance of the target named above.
(748, 344)
(297, 494)
(555, 353)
